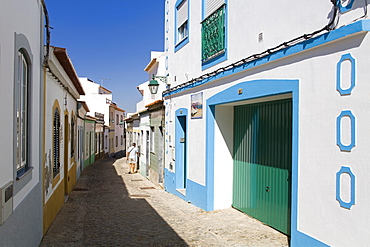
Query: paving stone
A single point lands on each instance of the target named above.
(101, 211)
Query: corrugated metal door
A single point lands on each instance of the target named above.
(263, 161)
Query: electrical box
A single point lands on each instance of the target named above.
(169, 80)
(6, 199)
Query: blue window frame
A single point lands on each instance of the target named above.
(181, 24)
(214, 32)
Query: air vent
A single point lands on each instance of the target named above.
(6, 198)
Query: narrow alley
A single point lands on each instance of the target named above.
(109, 207)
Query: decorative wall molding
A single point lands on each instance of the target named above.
(343, 204)
(348, 91)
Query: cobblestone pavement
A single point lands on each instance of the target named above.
(109, 207)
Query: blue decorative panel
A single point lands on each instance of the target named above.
(343, 204)
(346, 57)
(344, 8)
(348, 147)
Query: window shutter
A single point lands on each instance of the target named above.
(182, 13)
(56, 126)
(213, 5)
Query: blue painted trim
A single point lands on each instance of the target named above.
(195, 193)
(348, 147)
(353, 74)
(346, 8)
(252, 90)
(216, 60)
(356, 27)
(224, 56)
(343, 204)
(179, 44)
(181, 173)
(210, 145)
(182, 43)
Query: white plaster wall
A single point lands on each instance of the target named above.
(245, 22)
(89, 139)
(319, 214)
(30, 25)
(118, 131)
(223, 164)
(320, 162)
(95, 101)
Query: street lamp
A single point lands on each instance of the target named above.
(153, 84)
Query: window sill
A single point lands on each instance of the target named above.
(24, 173)
(182, 43)
(215, 59)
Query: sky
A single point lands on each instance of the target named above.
(109, 41)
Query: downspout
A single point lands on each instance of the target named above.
(43, 107)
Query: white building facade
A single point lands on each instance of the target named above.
(97, 98)
(62, 90)
(150, 147)
(21, 85)
(271, 119)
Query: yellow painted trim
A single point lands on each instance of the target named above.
(72, 175)
(66, 151)
(56, 180)
(53, 206)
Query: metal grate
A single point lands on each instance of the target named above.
(213, 34)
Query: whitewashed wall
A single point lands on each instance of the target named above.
(319, 158)
(95, 101)
(26, 18)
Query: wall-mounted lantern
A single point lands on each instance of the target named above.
(153, 84)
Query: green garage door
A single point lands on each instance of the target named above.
(263, 161)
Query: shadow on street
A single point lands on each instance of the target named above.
(100, 212)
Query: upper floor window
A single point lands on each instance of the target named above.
(22, 111)
(117, 118)
(182, 23)
(213, 32)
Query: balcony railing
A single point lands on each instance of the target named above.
(213, 34)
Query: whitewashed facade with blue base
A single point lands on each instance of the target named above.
(316, 55)
(21, 87)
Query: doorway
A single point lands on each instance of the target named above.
(263, 162)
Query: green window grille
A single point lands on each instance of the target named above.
(213, 34)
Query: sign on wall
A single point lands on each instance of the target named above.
(196, 105)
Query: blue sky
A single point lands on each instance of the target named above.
(109, 39)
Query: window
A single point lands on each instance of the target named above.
(121, 140)
(152, 139)
(214, 33)
(183, 31)
(22, 112)
(56, 143)
(117, 118)
(181, 23)
(73, 138)
(116, 141)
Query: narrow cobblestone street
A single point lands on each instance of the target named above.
(109, 207)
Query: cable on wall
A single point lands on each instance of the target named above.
(331, 26)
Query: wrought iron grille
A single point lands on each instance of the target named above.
(213, 34)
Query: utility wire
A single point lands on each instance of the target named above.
(328, 27)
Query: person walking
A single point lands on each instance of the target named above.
(131, 156)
